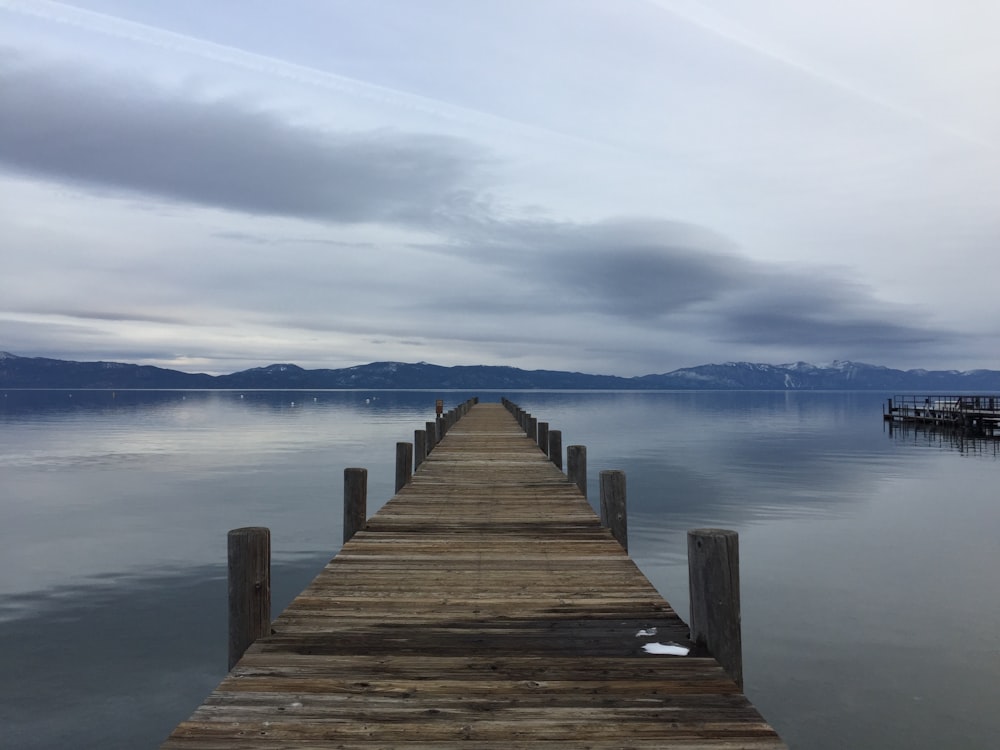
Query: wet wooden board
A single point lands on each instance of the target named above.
(482, 606)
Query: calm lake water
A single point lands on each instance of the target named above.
(871, 595)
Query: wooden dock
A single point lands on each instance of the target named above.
(483, 606)
(969, 414)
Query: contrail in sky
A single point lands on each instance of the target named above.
(719, 25)
(119, 28)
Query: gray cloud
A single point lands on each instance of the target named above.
(117, 316)
(800, 309)
(58, 123)
(653, 280)
(623, 294)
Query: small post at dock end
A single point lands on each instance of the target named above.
(614, 515)
(576, 466)
(714, 583)
(404, 464)
(249, 553)
(355, 501)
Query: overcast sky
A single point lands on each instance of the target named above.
(610, 186)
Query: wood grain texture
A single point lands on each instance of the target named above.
(483, 606)
(714, 585)
(355, 500)
(614, 511)
(249, 554)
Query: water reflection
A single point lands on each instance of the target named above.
(118, 663)
(871, 608)
(944, 439)
(142, 481)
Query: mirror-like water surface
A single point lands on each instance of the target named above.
(871, 605)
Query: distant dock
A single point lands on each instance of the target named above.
(969, 414)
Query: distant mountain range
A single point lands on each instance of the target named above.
(39, 372)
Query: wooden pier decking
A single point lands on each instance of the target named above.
(482, 606)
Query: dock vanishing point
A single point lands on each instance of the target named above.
(484, 606)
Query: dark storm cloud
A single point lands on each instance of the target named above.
(803, 309)
(644, 270)
(669, 277)
(57, 123)
(637, 268)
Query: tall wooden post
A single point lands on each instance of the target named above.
(355, 501)
(404, 464)
(576, 466)
(419, 447)
(614, 515)
(249, 588)
(555, 448)
(533, 428)
(432, 436)
(714, 581)
(543, 437)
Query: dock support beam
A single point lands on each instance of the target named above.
(355, 501)
(249, 588)
(714, 581)
(613, 509)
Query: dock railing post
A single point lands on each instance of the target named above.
(404, 464)
(419, 447)
(543, 437)
(249, 588)
(355, 501)
(714, 582)
(576, 466)
(614, 515)
(533, 428)
(432, 436)
(555, 448)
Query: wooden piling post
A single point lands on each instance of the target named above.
(432, 436)
(543, 437)
(555, 448)
(355, 501)
(249, 588)
(576, 466)
(533, 428)
(614, 515)
(404, 464)
(714, 581)
(419, 447)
